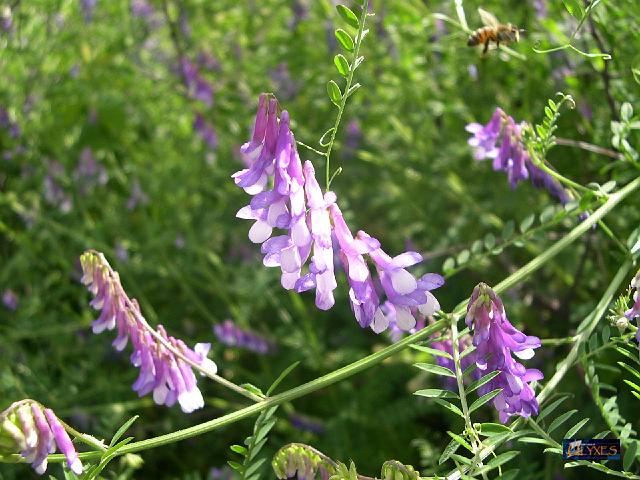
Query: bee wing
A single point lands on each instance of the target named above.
(487, 18)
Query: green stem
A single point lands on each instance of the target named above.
(346, 93)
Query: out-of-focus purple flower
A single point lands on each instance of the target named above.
(6, 123)
(353, 137)
(162, 371)
(88, 9)
(501, 140)
(306, 424)
(495, 339)
(54, 194)
(207, 61)
(179, 241)
(141, 9)
(89, 173)
(465, 362)
(332, 42)
(222, 473)
(285, 85)
(10, 299)
(206, 131)
(122, 252)
(183, 22)
(137, 196)
(197, 86)
(297, 205)
(34, 432)
(6, 19)
(540, 7)
(300, 12)
(228, 333)
(634, 311)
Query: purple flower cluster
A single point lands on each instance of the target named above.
(495, 340)
(54, 193)
(6, 123)
(35, 432)
(165, 363)
(287, 196)
(88, 7)
(228, 333)
(197, 86)
(501, 140)
(10, 299)
(634, 311)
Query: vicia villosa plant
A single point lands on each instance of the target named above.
(525, 347)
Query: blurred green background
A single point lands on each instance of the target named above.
(100, 151)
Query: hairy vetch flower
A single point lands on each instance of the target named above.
(501, 140)
(495, 340)
(313, 227)
(228, 333)
(634, 311)
(34, 432)
(165, 362)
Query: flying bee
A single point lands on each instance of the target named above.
(493, 31)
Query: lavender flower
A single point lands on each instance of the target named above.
(634, 311)
(54, 194)
(165, 362)
(501, 140)
(197, 86)
(495, 339)
(137, 196)
(10, 299)
(313, 223)
(305, 424)
(6, 19)
(206, 131)
(34, 432)
(229, 334)
(88, 7)
(286, 87)
(89, 173)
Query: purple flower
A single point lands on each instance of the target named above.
(137, 196)
(634, 311)
(35, 432)
(284, 84)
(231, 335)
(10, 299)
(197, 86)
(89, 173)
(305, 424)
(165, 362)
(501, 140)
(88, 7)
(300, 11)
(206, 131)
(495, 339)
(6, 19)
(141, 9)
(54, 194)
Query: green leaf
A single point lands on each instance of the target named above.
(548, 113)
(502, 459)
(449, 450)
(527, 222)
(433, 351)
(333, 90)
(463, 257)
(436, 369)
(482, 380)
(281, 377)
(341, 64)
(626, 112)
(536, 440)
(489, 241)
(460, 440)
(448, 265)
(551, 407)
(123, 429)
(436, 393)
(573, 430)
(348, 16)
(254, 467)
(345, 40)
(239, 449)
(484, 399)
(630, 454)
(560, 420)
(235, 465)
(547, 213)
(489, 429)
(449, 406)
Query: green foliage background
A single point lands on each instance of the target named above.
(111, 85)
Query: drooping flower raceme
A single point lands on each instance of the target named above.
(165, 362)
(634, 311)
(228, 333)
(34, 432)
(313, 225)
(501, 140)
(495, 339)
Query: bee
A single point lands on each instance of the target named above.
(493, 31)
